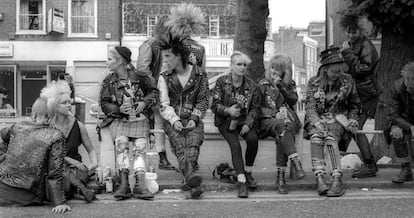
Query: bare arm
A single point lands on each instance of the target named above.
(86, 141)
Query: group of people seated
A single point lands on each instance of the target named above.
(169, 90)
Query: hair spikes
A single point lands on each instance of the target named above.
(350, 21)
(55, 89)
(185, 19)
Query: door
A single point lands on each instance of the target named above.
(33, 80)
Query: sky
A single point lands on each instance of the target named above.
(295, 13)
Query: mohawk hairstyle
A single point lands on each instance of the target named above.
(177, 46)
(185, 19)
(52, 92)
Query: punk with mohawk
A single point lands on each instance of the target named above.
(184, 20)
(184, 101)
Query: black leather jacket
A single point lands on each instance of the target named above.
(112, 92)
(223, 98)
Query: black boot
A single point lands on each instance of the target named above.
(251, 183)
(88, 194)
(140, 191)
(243, 190)
(296, 170)
(196, 192)
(164, 163)
(321, 184)
(369, 169)
(124, 191)
(406, 174)
(281, 182)
(337, 188)
(191, 180)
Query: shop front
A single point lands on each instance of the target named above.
(24, 80)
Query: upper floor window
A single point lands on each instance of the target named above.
(31, 17)
(269, 27)
(151, 22)
(214, 25)
(83, 18)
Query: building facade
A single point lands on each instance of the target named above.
(303, 51)
(39, 39)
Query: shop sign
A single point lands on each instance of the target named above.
(6, 50)
(55, 21)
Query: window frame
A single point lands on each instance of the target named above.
(214, 18)
(30, 32)
(151, 16)
(83, 35)
(15, 103)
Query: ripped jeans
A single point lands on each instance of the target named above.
(325, 151)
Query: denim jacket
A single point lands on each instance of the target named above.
(189, 102)
(223, 98)
(113, 91)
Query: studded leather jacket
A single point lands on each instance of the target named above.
(188, 103)
(223, 97)
(113, 91)
(34, 160)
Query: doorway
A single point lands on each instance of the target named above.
(33, 80)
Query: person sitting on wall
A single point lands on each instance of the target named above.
(400, 129)
(126, 98)
(32, 169)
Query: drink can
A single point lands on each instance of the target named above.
(109, 186)
(152, 160)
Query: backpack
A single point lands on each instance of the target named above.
(226, 173)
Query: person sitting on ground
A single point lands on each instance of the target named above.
(184, 101)
(400, 129)
(332, 105)
(76, 172)
(236, 105)
(362, 58)
(279, 119)
(126, 98)
(33, 166)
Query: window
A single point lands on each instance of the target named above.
(83, 18)
(8, 82)
(151, 22)
(31, 17)
(269, 27)
(214, 25)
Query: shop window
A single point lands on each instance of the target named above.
(83, 18)
(31, 17)
(8, 93)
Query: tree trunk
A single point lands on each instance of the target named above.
(251, 33)
(396, 51)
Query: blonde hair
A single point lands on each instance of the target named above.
(281, 63)
(185, 19)
(52, 93)
(238, 55)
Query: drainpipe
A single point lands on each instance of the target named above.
(120, 23)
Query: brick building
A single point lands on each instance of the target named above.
(303, 51)
(41, 38)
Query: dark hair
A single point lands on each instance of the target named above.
(177, 46)
(350, 21)
(61, 76)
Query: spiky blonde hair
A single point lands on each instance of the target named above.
(185, 19)
(52, 92)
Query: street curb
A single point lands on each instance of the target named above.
(222, 187)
